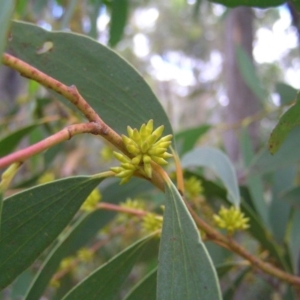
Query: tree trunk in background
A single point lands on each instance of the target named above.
(242, 102)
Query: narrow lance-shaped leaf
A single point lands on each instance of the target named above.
(287, 155)
(185, 269)
(249, 74)
(32, 219)
(6, 11)
(109, 84)
(145, 289)
(218, 162)
(119, 12)
(11, 140)
(286, 123)
(82, 232)
(106, 281)
(1, 205)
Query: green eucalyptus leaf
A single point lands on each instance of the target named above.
(249, 74)
(108, 83)
(287, 122)
(11, 140)
(254, 183)
(286, 92)
(6, 11)
(106, 282)
(233, 286)
(119, 12)
(185, 269)
(82, 232)
(293, 240)
(32, 219)
(79, 234)
(287, 155)
(1, 207)
(254, 3)
(144, 289)
(186, 139)
(291, 196)
(219, 163)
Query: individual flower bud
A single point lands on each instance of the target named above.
(159, 160)
(67, 264)
(107, 154)
(158, 131)
(148, 170)
(46, 177)
(90, 204)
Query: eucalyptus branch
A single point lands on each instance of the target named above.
(69, 92)
(121, 209)
(232, 245)
(63, 135)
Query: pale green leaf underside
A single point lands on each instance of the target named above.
(185, 269)
(220, 164)
(109, 84)
(32, 219)
(6, 11)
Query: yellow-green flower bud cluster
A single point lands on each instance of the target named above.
(145, 145)
(231, 219)
(193, 187)
(137, 204)
(152, 223)
(91, 201)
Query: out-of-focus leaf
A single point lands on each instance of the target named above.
(20, 7)
(45, 212)
(219, 163)
(20, 285)
(225, 268)
(255, 3)
(145, 289)
(232, 288)
(292, 196)
(287, 155)
(197, 8)
(249, 75)
(186, 140)
(1, 206)
(254, 183)
(94, 15)
(185, 269)
(287, 122)
(108, 83)
(286, 92)
(6, 11)
(106, 281)
(259, 231)
(69, 11)
(294, 240)
(82, 232)
(10, 141)
(77, 237)
(119, 12)
(279, 211)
